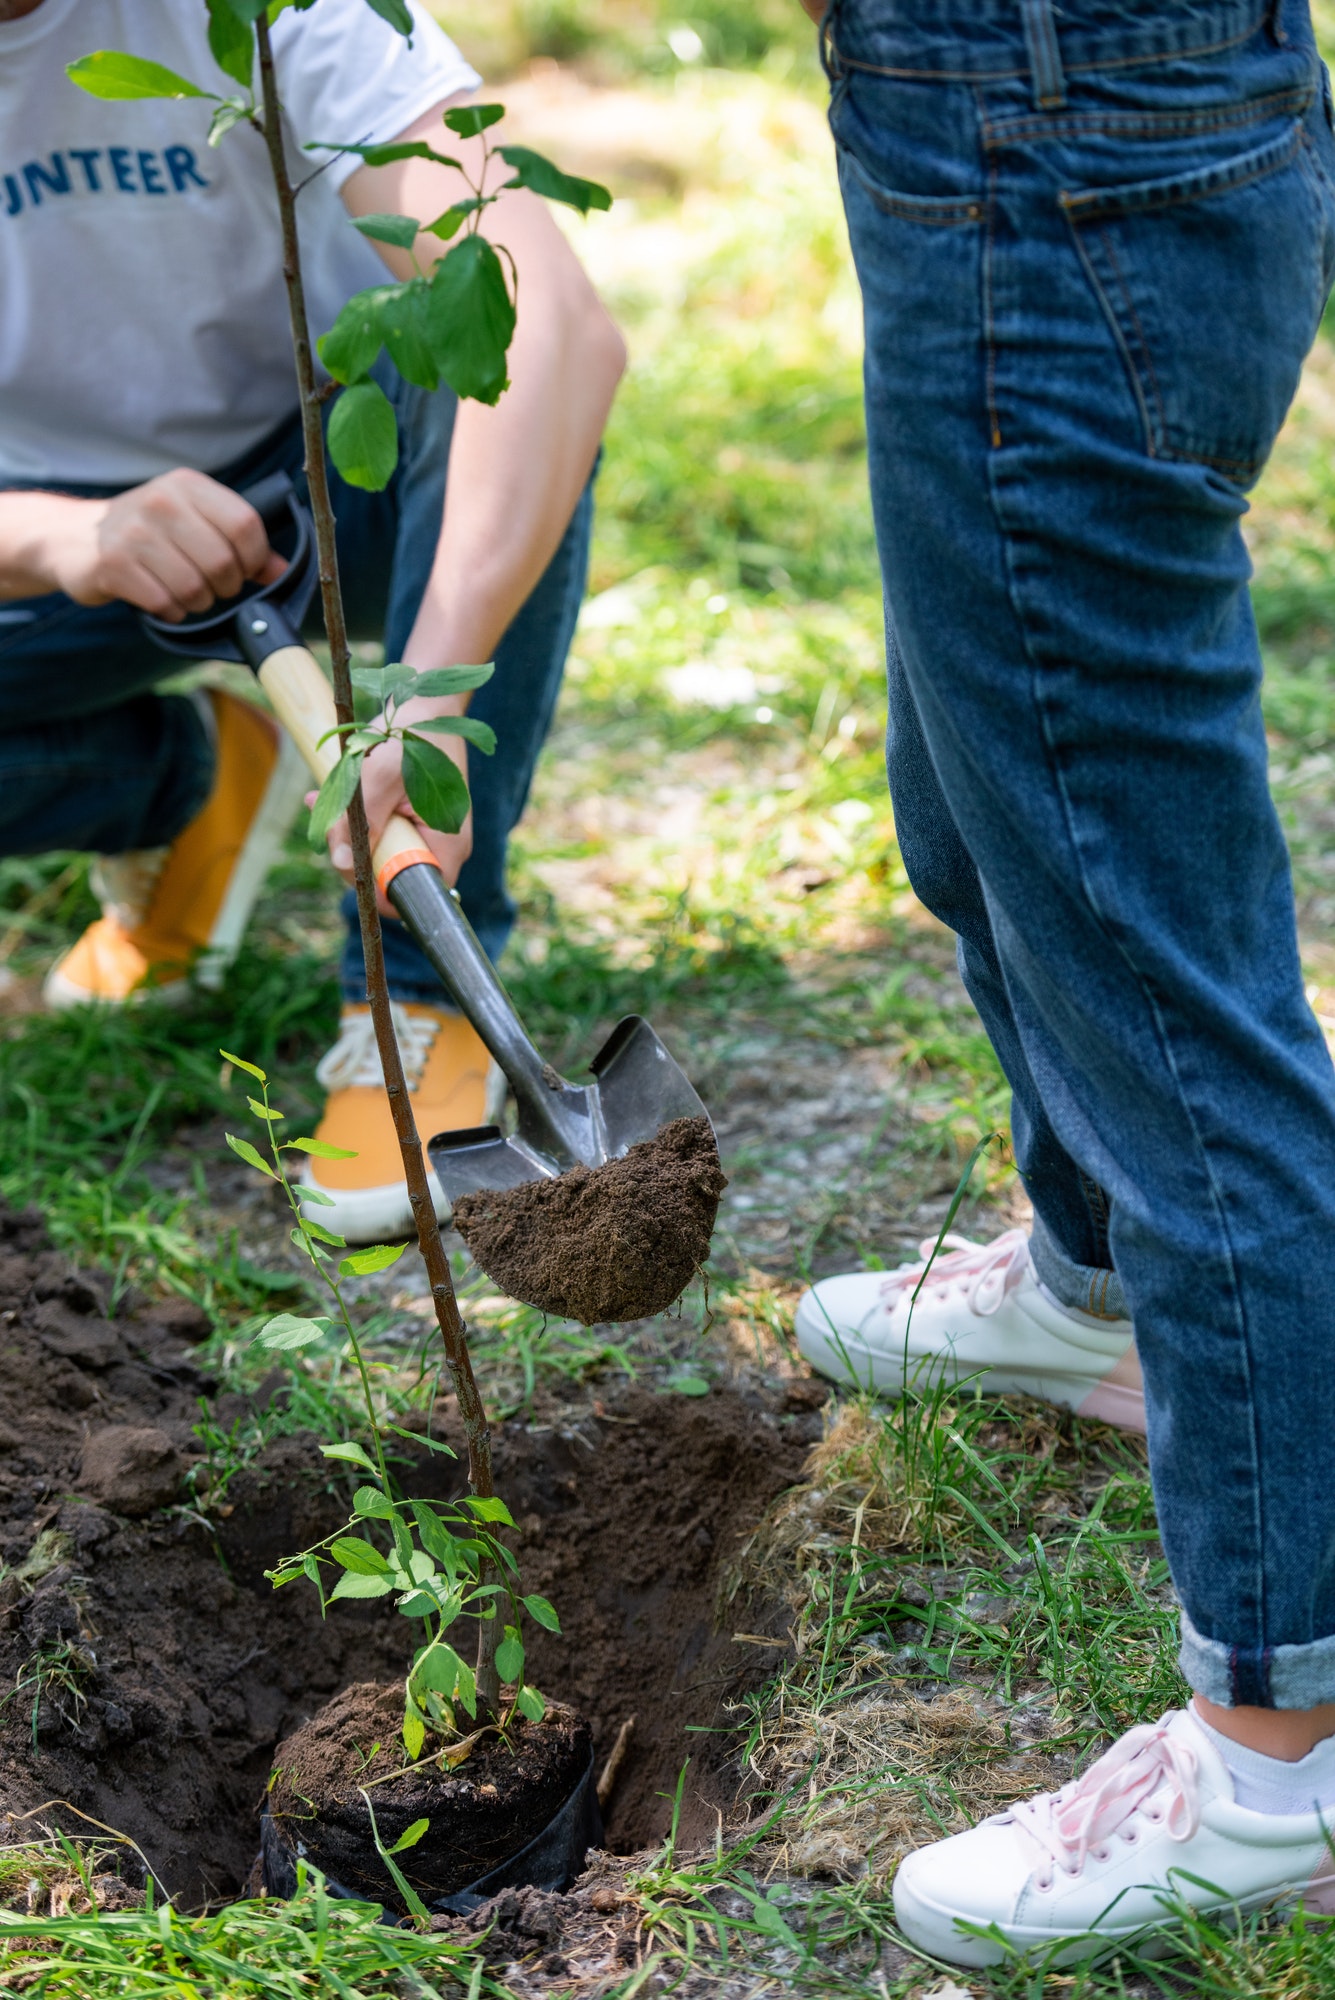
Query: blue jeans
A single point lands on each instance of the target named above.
(1094, 240)
(92, 758)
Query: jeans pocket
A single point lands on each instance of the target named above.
(1213, 282)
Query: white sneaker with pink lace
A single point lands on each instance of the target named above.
(1154, 1822)
(979, 1311)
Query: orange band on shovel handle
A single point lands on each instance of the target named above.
(304, 703)
(387, 866)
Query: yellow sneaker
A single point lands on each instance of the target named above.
(170, 914)
(453, 1083)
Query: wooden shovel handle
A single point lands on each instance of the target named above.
(304, 703)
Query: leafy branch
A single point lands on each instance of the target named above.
(457, 326)
(437, 1559)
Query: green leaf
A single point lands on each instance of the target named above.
(385, 156)
(418, 1437)
(472, 319)
(410, 1835)
(417, 1604)
(351, 1454)
(378, 1258)
(403, 1545)
(435, 785)
(317, 1195)
(480, 734)
(400, 230)
(364, 438)
(341, 783)
(510, 1655)
(110, 73)
(542, 1613)
(245, 1151)
(533, 171)
(688, 1385)
(358, 1556)
(407, 337)
(414, 1735)
(470, 119)
(352, 343)
(530, 1704)
(438, 1669)
(286, 1331)
(353, 1584)
(448, 222)
(263, 1111)
(239, 1062)
(490, 1509)
(232, 41)
(319, 1233)
(310, 1565)
(232, 111)
(369, 1500)
(436, 1536)
(451, 680)
(396, 13)
(319, 1149)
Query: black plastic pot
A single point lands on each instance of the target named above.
(551, 1860)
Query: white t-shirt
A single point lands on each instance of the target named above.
(143, 319)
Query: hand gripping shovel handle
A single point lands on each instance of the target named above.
(405, 870)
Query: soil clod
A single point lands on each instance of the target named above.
(603, 1244)
(131, 1468)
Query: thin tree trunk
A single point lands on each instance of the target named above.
(471, 1410)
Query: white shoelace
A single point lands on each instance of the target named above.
(355, 1059)
(1081, 1818)
(984, 1272)
(124, 883)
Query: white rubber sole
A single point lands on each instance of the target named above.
(933, 1929)
(846, 1357)
(376, 1214)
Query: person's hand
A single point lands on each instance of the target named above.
(382, 787)
(174, 545)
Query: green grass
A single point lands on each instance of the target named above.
(977, 1586)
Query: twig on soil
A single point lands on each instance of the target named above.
(616, 1758)
(471, 1410)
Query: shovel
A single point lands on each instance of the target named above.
(637, 1090)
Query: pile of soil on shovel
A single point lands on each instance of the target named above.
(157, 1670)
(479, 1815)
(602, 1244)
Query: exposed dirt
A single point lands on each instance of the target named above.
(169, 1668)
(603, 1244)
(496, 1802)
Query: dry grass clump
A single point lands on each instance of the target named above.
(889, 1770)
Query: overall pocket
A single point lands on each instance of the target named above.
(1213, 282)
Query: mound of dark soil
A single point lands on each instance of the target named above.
(180, 1668)
(603, 1244)
(479, 1815)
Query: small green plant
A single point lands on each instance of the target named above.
(442, 1562)
(56, 1672)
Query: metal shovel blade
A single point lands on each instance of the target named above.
(637, 1089)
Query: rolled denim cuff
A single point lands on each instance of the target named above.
(1086, 1288)
(1245, 1677)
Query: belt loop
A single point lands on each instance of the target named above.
(1045, 61)
(829, 54)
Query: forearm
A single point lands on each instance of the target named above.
(516, 472)
(30, 526)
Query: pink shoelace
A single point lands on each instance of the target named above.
(1083, 1817)
(984, 1272)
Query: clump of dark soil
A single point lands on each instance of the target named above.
(480, 1814)
(602, 1244)
(183, 1668)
